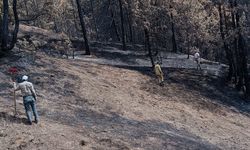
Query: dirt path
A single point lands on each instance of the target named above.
(108, 55)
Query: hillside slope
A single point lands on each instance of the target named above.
(85, 105)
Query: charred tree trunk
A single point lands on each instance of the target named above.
(130, 21)
(240, 48)
(16, 29)
(6, 46)
(148, 46)
(114, 26)
(5, 26)
(74, 12)
(173, 32)
(228, 56)
(94, 19)
(188, 38)
(130, 28)
(83, 27)
(235, 43)
(122, 25)
(244, 74)
(229, 53)
(243, 69)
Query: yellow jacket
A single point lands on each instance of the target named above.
(158, 70)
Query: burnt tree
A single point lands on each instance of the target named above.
(84, 32)
(122, 25)
(6, 43)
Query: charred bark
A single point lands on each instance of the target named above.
(173, 32)
(8, 45)
(148, 46)
(83, 27)
(122, 25)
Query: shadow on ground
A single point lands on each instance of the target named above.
(12, 119)
(111, 128)
(217, 93)
(118, 56)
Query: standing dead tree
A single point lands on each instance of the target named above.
(84, 32)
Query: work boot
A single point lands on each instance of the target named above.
(36, 121)
(29, 123)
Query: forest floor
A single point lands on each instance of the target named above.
(84, 104)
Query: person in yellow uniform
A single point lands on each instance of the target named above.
(159, 73)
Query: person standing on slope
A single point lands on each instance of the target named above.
(159, 73)
(29, 98)
(197, 59)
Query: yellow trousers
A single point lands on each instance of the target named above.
(160, 78)
(159, 73)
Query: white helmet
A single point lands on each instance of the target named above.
(25, 78)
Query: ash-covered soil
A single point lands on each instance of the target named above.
(85, 105)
